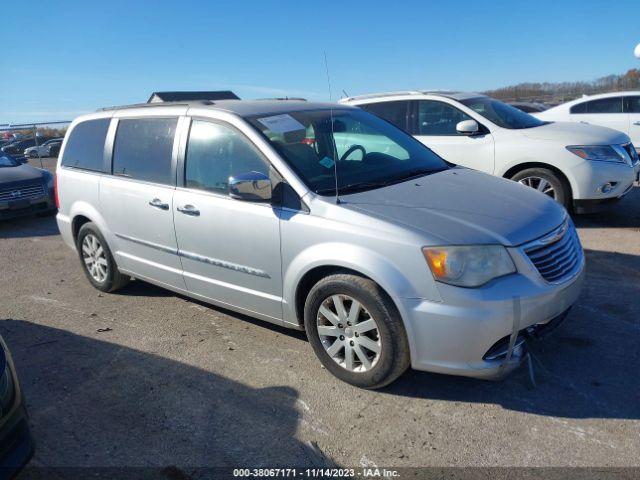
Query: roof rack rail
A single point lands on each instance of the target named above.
(294, 99)
(383, 94)
(143, 105)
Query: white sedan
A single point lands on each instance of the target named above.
(41, 150)
(617, 110)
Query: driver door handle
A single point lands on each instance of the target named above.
(636, 123)
(189, 210)
(157, 203)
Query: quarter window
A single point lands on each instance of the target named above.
(143, 149)
(438, 118)
(603, 105)
(633, 104)
(85, 146)
(216, 152)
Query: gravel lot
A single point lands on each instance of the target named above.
(148, 378)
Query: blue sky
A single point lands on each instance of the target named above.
(65, 58)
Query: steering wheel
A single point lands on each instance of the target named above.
(352, 149)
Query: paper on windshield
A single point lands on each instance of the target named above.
(281, 123)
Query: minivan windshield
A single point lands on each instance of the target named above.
(501, 114)
(365, 151)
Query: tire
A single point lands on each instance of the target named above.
(91, 245)
(545, 178)
(33, 154)
(389, 336)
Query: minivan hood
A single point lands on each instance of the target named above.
(19, 173)
(573, 133)
(463, 207)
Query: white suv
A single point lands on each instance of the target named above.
(581, 166)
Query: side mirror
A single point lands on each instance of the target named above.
(468, 127)
(250, 187)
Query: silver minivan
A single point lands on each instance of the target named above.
(324, 218)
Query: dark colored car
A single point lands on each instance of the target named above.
(18, 148)
(54, 149)
(24, 189)
(16, 443)
(530, 107)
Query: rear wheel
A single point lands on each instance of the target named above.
(355, 331)
(97, 261)
(545, 181)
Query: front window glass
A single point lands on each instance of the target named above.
(439, 118)
(216, 152)
(364, 150)
(7, 162)
(501, 114)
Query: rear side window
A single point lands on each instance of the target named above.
(143, 149)
(394, 112)
(603, 105)
(85, 146)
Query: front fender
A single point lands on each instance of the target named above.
(343, 255)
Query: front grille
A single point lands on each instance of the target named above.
(21, 192)
(558, 255)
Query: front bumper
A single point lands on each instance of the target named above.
(598, 204)
(29, 206)
(456, 336)
(589, 177)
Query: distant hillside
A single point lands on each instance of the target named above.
(565, 91)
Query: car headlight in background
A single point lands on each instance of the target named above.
(469, 266)
(600, 153)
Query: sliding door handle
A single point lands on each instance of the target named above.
(189, 210)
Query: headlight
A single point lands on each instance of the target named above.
(468, 266)
(602, 153)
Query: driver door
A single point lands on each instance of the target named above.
(434, 124)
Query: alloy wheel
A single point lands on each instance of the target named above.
(95, 259)
(349, 334)
(540, 184)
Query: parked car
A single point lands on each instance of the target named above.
(529, 107)
(617, 110)
(18, 147)
(24, 189)
(580, 166)
(16, 443)
(325, 218)
(43, 150)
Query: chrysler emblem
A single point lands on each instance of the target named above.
(15, 194)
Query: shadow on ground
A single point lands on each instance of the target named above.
(32, 226)
(624, 214)
(94, 403)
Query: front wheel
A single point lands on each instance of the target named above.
(546, 181)
(356, 331)
(97, 261)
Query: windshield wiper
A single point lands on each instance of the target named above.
(414, 173)
(353, 187)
